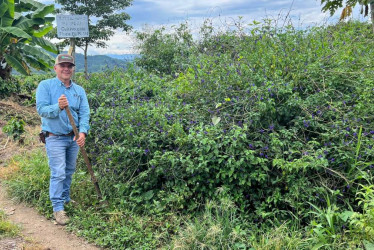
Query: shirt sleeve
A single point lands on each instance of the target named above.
(43, 106)
(84, 114)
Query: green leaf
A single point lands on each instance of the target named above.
(24, 23)
(368, 245)
(35, 63)
(43, 58)
(346, 215)
(43, 11)
(49, 19)
(216, 120)
(17, 32)
(8, 15)
(148, 195)
(16, 64)
(30, 4)
(43, 31)
(3, 9)
(45, 44)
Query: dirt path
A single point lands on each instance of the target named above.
(37, 232)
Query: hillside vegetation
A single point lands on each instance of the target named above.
(260, 138)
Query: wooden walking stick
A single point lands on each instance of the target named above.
(84, 153)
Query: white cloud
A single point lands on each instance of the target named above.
(120, 43)
(46, 1)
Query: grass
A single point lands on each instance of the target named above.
(7, 228)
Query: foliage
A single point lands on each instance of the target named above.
(218, 227)
(164, 53)
(362, 223)
(273, 116)
(104, 17)
(328, 223)
(6, 227)
(14, 128)
(31, 180)
(333, 5)
(22, 27)
(9, 86)
(281, 119)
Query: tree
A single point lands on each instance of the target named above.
(165, 53)
(23, 24)
(108, 16)
(333, 5)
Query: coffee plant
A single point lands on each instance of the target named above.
(15, 128)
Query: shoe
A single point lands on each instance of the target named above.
(61, 217)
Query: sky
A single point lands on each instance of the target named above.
(152, 14)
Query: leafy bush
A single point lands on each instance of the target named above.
(8, 87)
(15, 128)
(286, 116)
(164, 53)
(362, 223)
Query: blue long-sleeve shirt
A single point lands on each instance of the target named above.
(54, 119)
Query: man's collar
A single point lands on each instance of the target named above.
(63, 84)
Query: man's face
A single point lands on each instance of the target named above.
(64, 71)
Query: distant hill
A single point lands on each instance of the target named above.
(98, 63)
(125, 57)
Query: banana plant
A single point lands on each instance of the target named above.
(23, 24)
(333, 5)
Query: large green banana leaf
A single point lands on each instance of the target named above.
(45, 44)
(26, 23)
(17, 32)
(27, 5)
(16, 64)
(43, 11)
(7, 17)
(44, 58)
(3, 9)
(34, 63)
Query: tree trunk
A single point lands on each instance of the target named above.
(85, 61)
(372, 14)
(5, 72)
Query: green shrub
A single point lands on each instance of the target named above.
(15, 128)
(165, 53)
(8, 87)
(276, 123)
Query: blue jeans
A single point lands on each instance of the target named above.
(62, 154)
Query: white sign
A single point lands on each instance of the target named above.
(72, 26)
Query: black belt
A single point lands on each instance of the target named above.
(51, 134)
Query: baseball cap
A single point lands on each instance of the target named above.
(64, 58)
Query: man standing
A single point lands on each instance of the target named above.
(52, 97)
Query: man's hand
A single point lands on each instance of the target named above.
(63, 102)
(81, 140)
